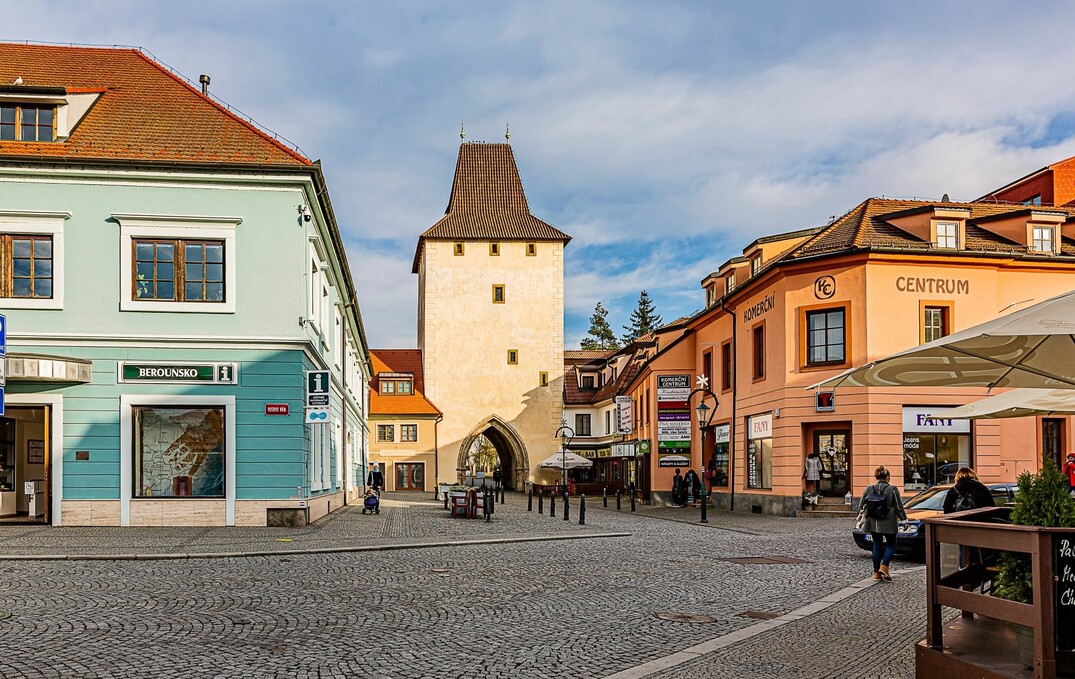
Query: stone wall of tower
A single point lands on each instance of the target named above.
(465, 337)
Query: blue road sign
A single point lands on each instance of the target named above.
(3, 335)
(1, 400)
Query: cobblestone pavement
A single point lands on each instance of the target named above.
(583, 607)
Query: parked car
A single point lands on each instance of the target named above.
(911, 537)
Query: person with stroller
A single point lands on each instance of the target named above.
(371, 502)
(375, 479)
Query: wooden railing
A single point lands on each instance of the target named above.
(967, 588)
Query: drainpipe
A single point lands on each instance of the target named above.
(731, 427)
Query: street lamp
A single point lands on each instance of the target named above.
(705, 416)
(566, 434)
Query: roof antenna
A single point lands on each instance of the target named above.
(462, 132)
(507, 131)
(945, 199)
(204, 80)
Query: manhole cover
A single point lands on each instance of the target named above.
(758, 615)
(685, 617)
(764, 560)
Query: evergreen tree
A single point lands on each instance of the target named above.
(601, 336)
(644, 319)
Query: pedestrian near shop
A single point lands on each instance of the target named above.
(968, 493)
(677, 489)
(693, 485)
(812, 470)
(1069, 471)
(883, 509)
(375, 479)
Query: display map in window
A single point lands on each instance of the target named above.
(182, 452)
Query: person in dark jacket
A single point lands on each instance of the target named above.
(692, 483)
(968, 493)
(883, 531)
(375, 479)
(678, 490)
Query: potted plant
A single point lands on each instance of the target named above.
(1042, 499)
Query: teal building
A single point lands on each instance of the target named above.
(184, 342)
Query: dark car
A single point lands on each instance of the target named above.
(912, 533)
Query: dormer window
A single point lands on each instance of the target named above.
(1044, 239)
(755, 265)
(587, 382)
(23, 122)
(396, 386)
(947, 235)
(729, 284)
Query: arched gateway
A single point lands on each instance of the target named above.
(510, 449)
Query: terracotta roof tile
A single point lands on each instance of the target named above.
(488, 202)
(399, 361)
(146, 112)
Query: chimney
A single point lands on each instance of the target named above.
(204, 80)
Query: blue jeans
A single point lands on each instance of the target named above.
(884, 546)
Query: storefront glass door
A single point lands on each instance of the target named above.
(834, 447)
(410, 476)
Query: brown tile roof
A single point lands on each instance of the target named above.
(145, 113)
(586, 355)
(864, 227)
(488, 202)
(399, 361)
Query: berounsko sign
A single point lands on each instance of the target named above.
(201, 373)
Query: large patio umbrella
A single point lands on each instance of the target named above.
(1015, 403)
(1033, 347)
(565, 460)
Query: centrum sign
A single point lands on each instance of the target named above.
(211, 373)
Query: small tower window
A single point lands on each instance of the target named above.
(494, 249)
(513, 356)
(543, 378)
(457, 248)
(498, 294)
(531, 249)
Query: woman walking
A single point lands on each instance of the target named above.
(883, 509)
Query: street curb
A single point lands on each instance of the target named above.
(693, 653)
(291, 552)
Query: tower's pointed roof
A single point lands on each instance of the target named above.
(488, 202)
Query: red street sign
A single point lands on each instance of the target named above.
(277, 409)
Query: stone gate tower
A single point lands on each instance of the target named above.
(491, 318)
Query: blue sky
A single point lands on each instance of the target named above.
(663, 136)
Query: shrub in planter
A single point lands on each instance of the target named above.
(1042, 500)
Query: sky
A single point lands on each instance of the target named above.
(664, 137)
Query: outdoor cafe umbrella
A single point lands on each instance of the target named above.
(565, 460)
(1015, 403)
(1033, 347)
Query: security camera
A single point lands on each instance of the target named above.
(305, 212)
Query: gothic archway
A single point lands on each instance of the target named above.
(511, 452)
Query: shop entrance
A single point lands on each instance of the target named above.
(410, 476)
(834, 447)
(25, 465)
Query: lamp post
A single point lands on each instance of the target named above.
(705, 416)
(566, 434)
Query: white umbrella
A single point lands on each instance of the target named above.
(1034, 347)
(676, 459)
(1015, 403)
(565, 460)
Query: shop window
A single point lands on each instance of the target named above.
(408, 433)
(760, 463)
(826, 337)
(935, 323)
(582, 424)
(758, 344)
(386, 433)
(718, 464)
(179, 451)
(23, 122)
(947, 235)
(933, 448)
(28, 266)
(498, 294)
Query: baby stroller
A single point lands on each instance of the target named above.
(372, 503)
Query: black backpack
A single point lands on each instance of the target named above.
(876, 503)
(963, 502)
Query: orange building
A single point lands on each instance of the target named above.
(403, 442)
(799, 307)
(1051, 185)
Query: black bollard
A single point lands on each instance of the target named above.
(446, 500)
(566, 512)
(502, 491)
(617, 499)
(604, 497)
(632, 498)
(530, 500)
(488, 507)
(552, 506)
(582, 510)
(702, 493)
(541, 503)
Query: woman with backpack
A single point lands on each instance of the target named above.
(968, 493)
(883, 509)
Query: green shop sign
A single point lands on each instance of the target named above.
(200, 373)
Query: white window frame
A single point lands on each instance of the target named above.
(339, 453)
(34, 223)
(948, 241)
(337, 340)
(177, 227)
(1034, 239)
(127, 403)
